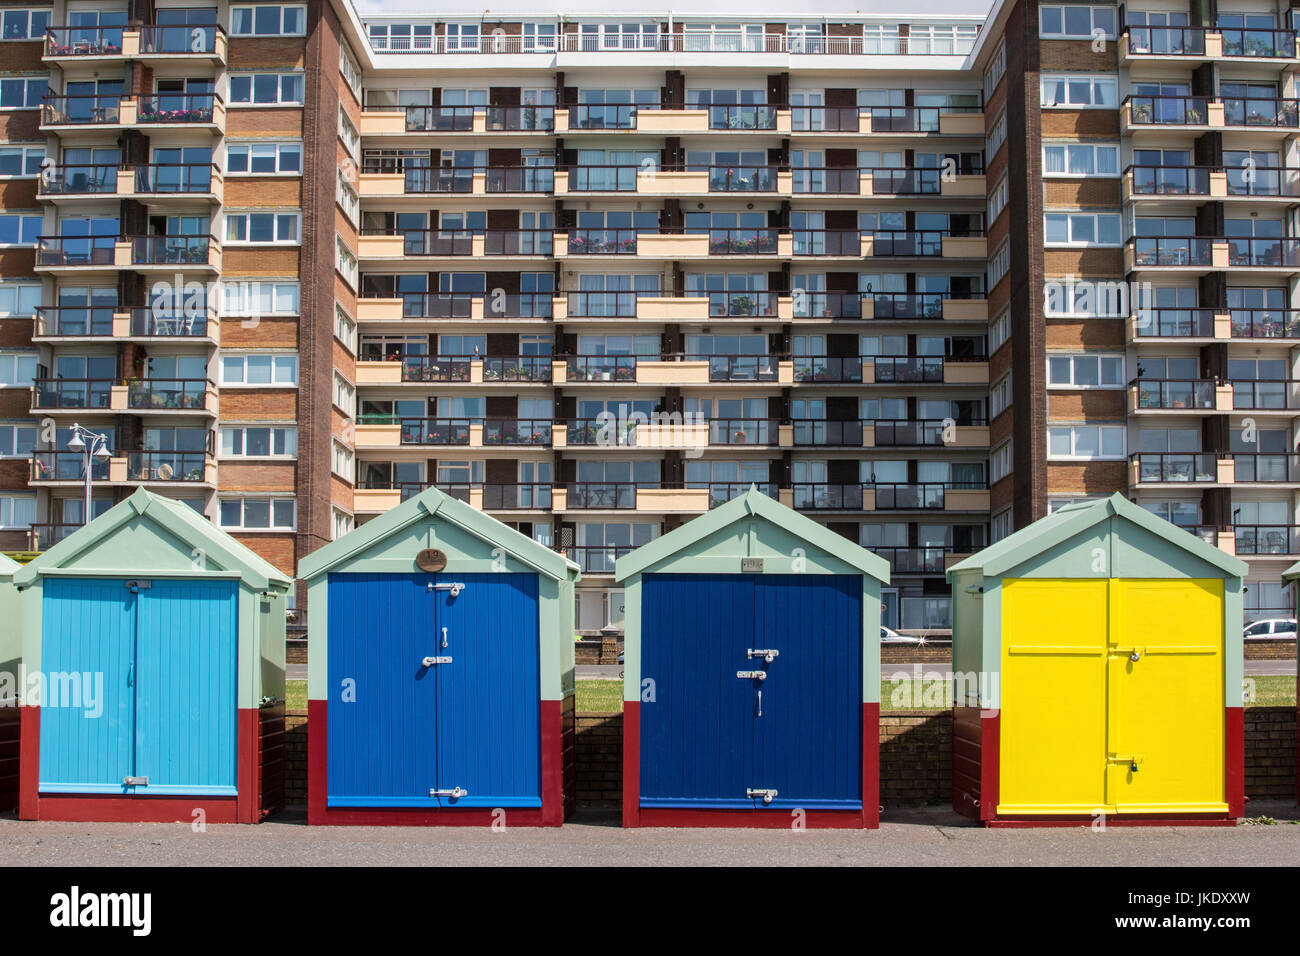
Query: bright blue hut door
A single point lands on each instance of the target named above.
(140, 688)
(434, 691)
(715, 736)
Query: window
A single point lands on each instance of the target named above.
(1076, 22)
(941, 40)
(19, 230)
(999, 331)
(1000, 396)
(345, 395)
(1000, 462)
(17, 369)
(343, 523)
(344, 261)
(1000, 525)
(997, 68)
(539, 37)
(266, 89)
(1080, 159)
(258, 514)
(350, 71)
(1086, 442)
(1086, 298)
(264, 159)
(1057, 502)
(17, 440)
(1080, 91)
(263, 228)
(1081, 229)
(1085, 371)
(17, 511)
(257, 298)
(24, 161)
(997, 135)
(344, 463)
(998, 199)
(348, 133)
(24, 24)
(619, 36)
(259, 441)
(347, 199)
(22, 93)
(279, 371)
(1000, 263)
(19, 299)
(345, 329)
(267, 20)
(460, 37)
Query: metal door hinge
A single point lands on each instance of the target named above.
(767, 796)
(430, 661)
(752, 675)
(455, 792)
(768, 654)
(135, 781)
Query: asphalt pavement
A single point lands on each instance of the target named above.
(912, 838)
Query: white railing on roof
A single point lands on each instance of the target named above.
(682, 43)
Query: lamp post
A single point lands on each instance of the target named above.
(93, 446)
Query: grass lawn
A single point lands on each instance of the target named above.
(599, 696)
(1271, 690)
(295, 693)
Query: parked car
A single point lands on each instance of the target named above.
(1273, 627)
(890, 636)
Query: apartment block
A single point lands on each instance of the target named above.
(922, 277)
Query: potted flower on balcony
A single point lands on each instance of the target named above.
(742, 305)
(1141, 112)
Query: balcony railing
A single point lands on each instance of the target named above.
(518, 242)
(167, 393)
(742, 431)
(433, 242)
(912, 432)
(75, 250)
(740, 368)
(1263, 394)
(434, 431)
(909, 368)
(1265, 467)
(1265, 324)
(460, 305)
(1274, 44)
(192, 38)
(441, 179)
(156, 178)
(166, 466)
(739, 304)
(597, 558)
(907, 496)
(1166, 41)
(602, 494)
(720, 492)
(902, 242)
(893, 181)
(605, 116)
(601, 368)
(742, 179)
(72, 392)
(602, 242)
(81, 110)
(594, 431)
(161, 323)
(69, 320)
(690, 42)
(1176, 466)
(914, 119)
(743, 242)
(520, 118)
(825, 119)
(520, 179)
(435, 368)
(45, 535)
(733, 117)
(907, 305)
(1171, 180)
(170, 250)
(91, 179)
(1261, 111)
(835, 180)
(903, 560)
(824, 368)
(178, 108)
(821, 496)
(1173, 250)
(1261, 539)
(520, 431)
(517, 368)
(826, 242)
(822, 432)
(516, 497)
(66, 466)
(1169, 110)
(827, 305)
(1280, 252)
(83, 41)
(1256, 180)
(440, 119)
(1174, 323)
(1175, 393)
(604, 179)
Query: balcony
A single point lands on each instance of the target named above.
(515, 432)
(1282, 254)
(440, 305)
(182, 43)
(927, 496)
(1264, 395)
(599, 242)
(162, 181)
(1180, 468)
(1261, 113)
(1191, 113)
(1156, 43)
(435, 431)
(653, 181)
(848, 243)
(1197, 254)
(187, 395)
(674, 306)
(1264, 324)
(532, 369)
(894, 181)
(77, 253)
(1179, 395)
(183, 109)
(925, 433)
(187, 253)
(1266, 541)
(822, 496)
(828, 119)
(754, 369)
(1266, 468)
(833, 181)
(924, 243)
(629, 496)
(50, 467)
(735, 432)
(52, 394)
(831, 433)
(944, 120)
(58, 323)
(1160, 324)
(902, 560)
(600, 368)
(171, 467)
(45, 535)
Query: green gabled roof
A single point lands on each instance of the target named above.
(8, 566)
(1292, 572)
(752, 502)
(1066, 522)
(177, 519)
(431, 502)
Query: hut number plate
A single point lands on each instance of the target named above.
(752, 675)
(751, 564)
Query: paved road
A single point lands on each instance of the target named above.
(930, 838)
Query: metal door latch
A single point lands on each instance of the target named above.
(135, 781)
(1134, 653)
(767, 654)
(430, 661)
(752, 675)
(767, 795)
(455, 587)
(1134, 761)
(455, 792)
(444, 637)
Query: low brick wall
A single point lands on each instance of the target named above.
(915, 757)
(1267, 649)
(893, 655)
(596, 651)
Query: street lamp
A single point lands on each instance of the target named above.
(93, 446)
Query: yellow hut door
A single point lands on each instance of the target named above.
(1165, 732)
(1053, 716)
